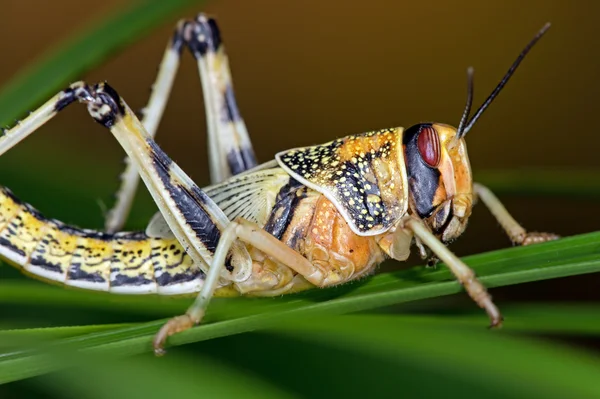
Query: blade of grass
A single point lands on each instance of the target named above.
(58, 332)
(555, 318)
(81, 52)
(569, 256)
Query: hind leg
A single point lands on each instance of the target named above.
(195, 220)
(230, 149)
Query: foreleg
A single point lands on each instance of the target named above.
(513, 229)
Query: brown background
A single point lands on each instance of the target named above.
(306, 72)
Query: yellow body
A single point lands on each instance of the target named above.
(129, 263)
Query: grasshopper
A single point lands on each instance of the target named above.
(317, 216)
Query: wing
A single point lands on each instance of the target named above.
(158, 227)
(363, 175)
(249, 195)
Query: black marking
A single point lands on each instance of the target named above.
(348, 182)
(5, 243)
(231, 112)
(44, 264)
(115, 102)
(34, 212)
(202, 198)
(423, 180)
(189, 201)
(120, 280)
(8, 192)
(83, 233)
(200, 221)
(68, 96)
(75, 273)
(178, 40)
(205, 36)
(214, 31)
(240, 160)
(130, 235)
(166, 279)
(297, 237)
(442, 217)
(106, 96)
(249, 157)
(133, 259)
(285, 206)
(364, 190)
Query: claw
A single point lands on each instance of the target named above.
(535, 237)
(173, 326)
(496, 323)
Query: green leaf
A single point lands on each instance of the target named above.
(83, 51)
(569, 256)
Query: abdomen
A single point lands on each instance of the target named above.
(128, 263)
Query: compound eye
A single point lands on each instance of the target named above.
(428, 144)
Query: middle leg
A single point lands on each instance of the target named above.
(252, 234)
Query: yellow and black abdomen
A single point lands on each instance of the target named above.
(128, 263)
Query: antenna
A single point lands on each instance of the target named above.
(467, 111)
(462, 129)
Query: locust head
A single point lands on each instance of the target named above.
(437, 165)
(439, 178)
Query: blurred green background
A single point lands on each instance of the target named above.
(306, 72)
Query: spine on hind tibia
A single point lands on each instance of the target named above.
(129, 263)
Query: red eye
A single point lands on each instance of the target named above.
(428, 143)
